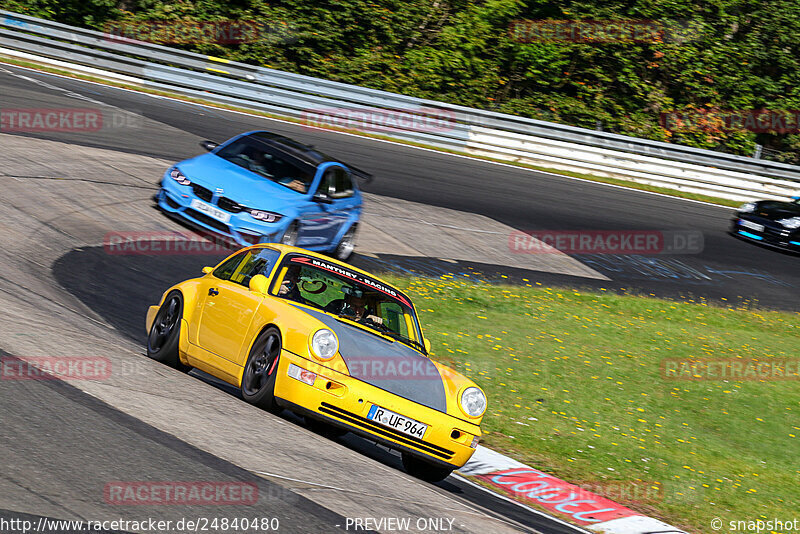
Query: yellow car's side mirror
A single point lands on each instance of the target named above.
(207, 270)
(259, 283)
(427, 343)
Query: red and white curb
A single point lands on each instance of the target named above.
(586, 509)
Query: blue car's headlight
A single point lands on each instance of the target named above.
(178, 176)
(265, 216)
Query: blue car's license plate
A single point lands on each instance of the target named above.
(396, 421)
(211, 211)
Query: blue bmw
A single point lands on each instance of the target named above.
(260, 187)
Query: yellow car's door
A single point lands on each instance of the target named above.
(229, 306)
(226, 317)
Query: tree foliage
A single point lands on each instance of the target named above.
(717, 55)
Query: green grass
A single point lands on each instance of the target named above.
(177, 96)
(575, 389)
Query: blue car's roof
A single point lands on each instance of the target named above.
(304, 156)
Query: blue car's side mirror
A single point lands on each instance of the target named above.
(321, 198)
(209, 145)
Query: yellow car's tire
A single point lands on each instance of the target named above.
(162, 341)
(261, 370)
(423, 470)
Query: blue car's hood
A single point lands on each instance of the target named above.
(391, 366)
(238, 184)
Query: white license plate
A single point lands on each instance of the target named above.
(210, 210)
(751, 225)
(396, 421)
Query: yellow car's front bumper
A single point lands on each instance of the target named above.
(345, 401)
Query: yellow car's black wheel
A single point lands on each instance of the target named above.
(261, 369)
(162, 342)
(423, 470)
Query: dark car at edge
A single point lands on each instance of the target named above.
(773, 223)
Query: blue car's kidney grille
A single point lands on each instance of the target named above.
(202, 193)
(229, 205)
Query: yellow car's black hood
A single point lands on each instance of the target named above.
(389, 365)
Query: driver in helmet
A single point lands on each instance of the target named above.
(290, 288)
(353, 305)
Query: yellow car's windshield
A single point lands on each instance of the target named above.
(350, 295)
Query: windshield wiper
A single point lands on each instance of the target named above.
(361, 326)
(404, 339)
(385, 333)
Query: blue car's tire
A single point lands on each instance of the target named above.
(289, 236)
(347, 244)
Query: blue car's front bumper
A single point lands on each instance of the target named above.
(241, 228)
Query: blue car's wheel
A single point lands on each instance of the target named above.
(290, 235)
(346, 245)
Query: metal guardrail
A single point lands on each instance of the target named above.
(296, 95)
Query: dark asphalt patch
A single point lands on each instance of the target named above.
(121, 288)
(656, 276)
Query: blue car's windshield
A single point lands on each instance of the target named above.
(252, 156)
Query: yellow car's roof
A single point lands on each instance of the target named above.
(288, 248)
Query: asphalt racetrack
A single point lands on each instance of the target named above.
(62, 294)
(725, 268)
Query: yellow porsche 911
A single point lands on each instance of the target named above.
(297, 330)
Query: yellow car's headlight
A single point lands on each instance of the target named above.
(324, 344)
(473, 402)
